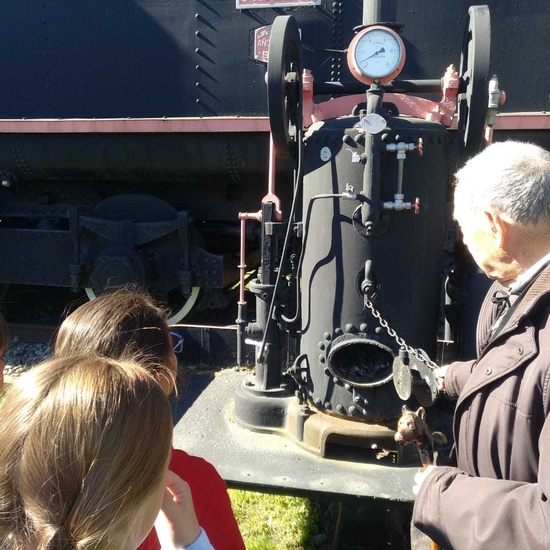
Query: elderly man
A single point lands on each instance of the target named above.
(497, 497)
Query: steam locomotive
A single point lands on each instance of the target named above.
(287, 161)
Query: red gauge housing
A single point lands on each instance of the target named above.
(376, 54)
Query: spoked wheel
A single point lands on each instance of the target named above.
(284, 87)
(120, 264)
(474, 80)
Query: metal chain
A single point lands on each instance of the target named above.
(402, 344)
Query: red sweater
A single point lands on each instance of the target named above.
(211, 502)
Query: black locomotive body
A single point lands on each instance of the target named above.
(135, 148)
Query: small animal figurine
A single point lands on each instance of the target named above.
(412, 428)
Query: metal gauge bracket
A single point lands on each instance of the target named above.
(284, 86)
(473, 95)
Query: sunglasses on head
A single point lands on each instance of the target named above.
(177, 342)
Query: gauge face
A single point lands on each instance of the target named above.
(376, 54)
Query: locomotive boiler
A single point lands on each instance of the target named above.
(137, 146)
(365, 276)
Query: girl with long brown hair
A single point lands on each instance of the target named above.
(126, 323)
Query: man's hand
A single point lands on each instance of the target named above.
(176, 525)
(420, 477)
(440, 374)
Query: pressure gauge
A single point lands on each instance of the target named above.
(376, 53)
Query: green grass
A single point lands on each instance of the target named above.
(274, 522)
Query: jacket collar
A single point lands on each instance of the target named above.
(539, 288)
(532, 299)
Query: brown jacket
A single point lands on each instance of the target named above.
(497, 498)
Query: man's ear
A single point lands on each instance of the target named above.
(498, 228)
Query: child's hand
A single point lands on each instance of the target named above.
(176, 525)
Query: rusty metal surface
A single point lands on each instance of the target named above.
(268, 463)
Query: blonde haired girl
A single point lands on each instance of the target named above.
(75, 470)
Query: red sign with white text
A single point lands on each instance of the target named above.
(261, 43)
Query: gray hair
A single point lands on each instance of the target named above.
(510, 177)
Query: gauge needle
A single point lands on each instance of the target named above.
(381, 50)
